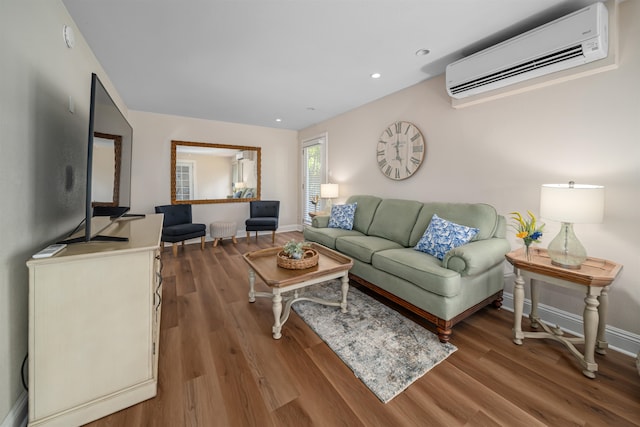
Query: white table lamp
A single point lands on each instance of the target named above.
(329, 191)
(570, 203)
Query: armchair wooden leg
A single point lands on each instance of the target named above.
(248, 237)
(202, 243)
(273, 236)
(256, 236)
(174, 247)
(161, 246)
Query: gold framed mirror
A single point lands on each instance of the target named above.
(214, 173)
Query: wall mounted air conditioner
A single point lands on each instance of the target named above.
(575, 39)
(245, 155)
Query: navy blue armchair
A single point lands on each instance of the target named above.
(177, 226)
(263, 217)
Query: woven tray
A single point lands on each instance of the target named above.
(309, 259)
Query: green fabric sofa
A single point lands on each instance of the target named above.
(382, 241)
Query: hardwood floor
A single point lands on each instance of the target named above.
(219, 366)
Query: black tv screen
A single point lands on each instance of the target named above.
(109, 150)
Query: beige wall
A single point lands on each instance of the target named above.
(212, 176)
(151, 178)
(501, 152)
(38, 76)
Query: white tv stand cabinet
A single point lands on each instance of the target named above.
(94, 323)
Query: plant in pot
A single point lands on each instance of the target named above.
(297, 255)
(295, 250)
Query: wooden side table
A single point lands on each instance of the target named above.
(595, 276)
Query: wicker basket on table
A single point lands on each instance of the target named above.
(309, 259)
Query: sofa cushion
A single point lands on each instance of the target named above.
(363, 247)
(477, 215)
(367, 206)
(442, 236)
(395, 219)
(182, 229)
(327, 236)
(423, 270)
(342, 216)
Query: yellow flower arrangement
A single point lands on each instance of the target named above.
(528, 230)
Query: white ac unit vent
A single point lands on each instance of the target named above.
(572, 40)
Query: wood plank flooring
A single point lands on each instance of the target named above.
(219, 366)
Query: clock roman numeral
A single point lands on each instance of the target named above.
(381, 152)
(398, 127)
(397, 173)
(389, 131)
(418, 148)
(414, 137)
(382, 163)
(406, 169)
(388, 170)
(415, 160)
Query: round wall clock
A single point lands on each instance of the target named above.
(400, 150)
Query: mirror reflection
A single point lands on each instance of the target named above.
(105, 175)
(214, 173)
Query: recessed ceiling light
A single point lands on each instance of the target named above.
(422, 52)
(376, 75)
(278, 120)
(311, 108)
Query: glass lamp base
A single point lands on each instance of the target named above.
(328, 205)
(565, 250)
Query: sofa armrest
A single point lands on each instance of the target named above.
(476, 257)
(320, 221)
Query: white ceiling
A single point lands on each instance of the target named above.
(303, 61)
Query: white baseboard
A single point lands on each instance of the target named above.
(281, 229)
(619, 340)
(292, 227)
(17, 416)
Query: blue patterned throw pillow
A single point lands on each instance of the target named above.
(342, 216)
(441, 236)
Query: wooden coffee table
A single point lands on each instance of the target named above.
(331, 265)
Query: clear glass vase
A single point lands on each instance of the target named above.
(528, 252)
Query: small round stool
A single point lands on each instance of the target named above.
(219, 230)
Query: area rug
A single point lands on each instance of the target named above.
(384, 349)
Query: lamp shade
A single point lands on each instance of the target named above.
(572, 203)
(329, 191)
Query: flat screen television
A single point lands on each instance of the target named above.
(109, 150)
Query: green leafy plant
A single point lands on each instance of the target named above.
(295, 249)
